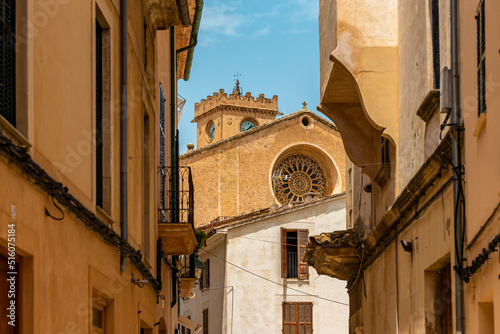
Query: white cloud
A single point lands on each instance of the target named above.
(222, 19)
(262, 32)
(305, 10)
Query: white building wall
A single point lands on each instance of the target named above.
(252, 271)
(256, 247)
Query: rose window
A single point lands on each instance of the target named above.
(296, 175)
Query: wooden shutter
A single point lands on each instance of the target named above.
(205, 321)
(297, 318)
(302, 242)
(283, 253)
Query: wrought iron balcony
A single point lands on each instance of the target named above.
(176, 212)
(190, 274)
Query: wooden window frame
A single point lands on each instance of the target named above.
(205, 278)
(297, 323)
(302, 267)
(205, 321)
(103, 118)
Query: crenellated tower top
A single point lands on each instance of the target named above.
(223, 115)
(235, 99)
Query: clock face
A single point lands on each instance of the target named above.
(246, 125)
(211, 131)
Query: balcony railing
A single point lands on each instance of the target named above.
(292, 265)
(187, 270)
(176, 197)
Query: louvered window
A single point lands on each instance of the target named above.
(293, 246)
(297, 318)
(8, 60)
(481, 61)
(98, 114)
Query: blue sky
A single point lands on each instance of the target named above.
(272, 44)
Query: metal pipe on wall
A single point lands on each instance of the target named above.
(457, 165)
(123, 131)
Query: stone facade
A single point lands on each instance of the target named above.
(385, 82)
(234, 175)
(76, 256)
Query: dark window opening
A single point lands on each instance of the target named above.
(435, 43)
(291, 255)
(293, 245)
(98, 114)
(8, 60)
(385, 151)
(481, 59)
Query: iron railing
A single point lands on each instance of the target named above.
(177, 197)
(292, 265)
(187, 270)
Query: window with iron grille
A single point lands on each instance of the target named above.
(481, 59)
(297, 318)
(293, 246)
(8, 60)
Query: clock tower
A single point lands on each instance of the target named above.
(221, 115)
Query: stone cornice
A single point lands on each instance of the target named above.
(233, 108)
(266, 213)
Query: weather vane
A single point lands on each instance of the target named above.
(237, 88)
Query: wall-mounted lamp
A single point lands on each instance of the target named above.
(198, 267)
(139, 282)
(407, 246)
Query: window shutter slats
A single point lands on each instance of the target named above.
(283, 254)
(303, 267)
(297, 318)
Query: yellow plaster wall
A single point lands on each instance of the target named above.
(63, 262)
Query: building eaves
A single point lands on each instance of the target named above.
(266, 213)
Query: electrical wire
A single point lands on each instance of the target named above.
(271, 281)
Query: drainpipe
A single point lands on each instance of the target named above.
(193, 40)
(123, 131)
(457, 165)
(174, 186)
